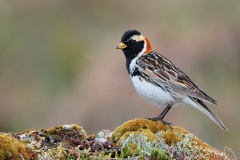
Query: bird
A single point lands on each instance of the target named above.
(159, 81)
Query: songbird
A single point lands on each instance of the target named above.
(159, 81)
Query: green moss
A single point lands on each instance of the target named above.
(76, 127)
(54, 130)
(129, 150)
(47, 136)
(90, 137)
(26, 141)
(158, 154)
(11, 148)
(26, 131)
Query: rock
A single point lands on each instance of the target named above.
(136, 139)
(176, 141)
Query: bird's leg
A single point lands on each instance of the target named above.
(162, 115)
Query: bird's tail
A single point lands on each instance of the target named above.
(203, 108)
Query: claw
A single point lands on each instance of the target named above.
(161, 120)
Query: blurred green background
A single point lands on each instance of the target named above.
(59, 65)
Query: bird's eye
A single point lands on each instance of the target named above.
(131, 41)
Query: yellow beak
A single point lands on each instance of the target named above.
(121, 46)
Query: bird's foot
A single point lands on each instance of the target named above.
(153, 119)
(161, 120)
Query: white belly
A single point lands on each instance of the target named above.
(153, 94)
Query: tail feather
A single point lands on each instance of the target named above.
(203, 108)
(198, 104)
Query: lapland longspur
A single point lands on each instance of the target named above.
(158, 80)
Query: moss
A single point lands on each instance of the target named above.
(11, 148)
(90, 137)
(27, 131)
(65, 135)
(151, 136)
(138, 139)
(158, 154)
(137, 124)
(173, 136)
(54, 130)
(130, 150)
(76, 127)
(174, 140)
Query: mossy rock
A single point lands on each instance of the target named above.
(12, 149)
(138, 138)
(138, 126)
(171, 135)
(67, 135)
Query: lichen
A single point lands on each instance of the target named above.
(151, 136)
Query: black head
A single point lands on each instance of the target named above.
(128, 34)
(132, 43)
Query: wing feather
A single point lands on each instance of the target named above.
(166, 74)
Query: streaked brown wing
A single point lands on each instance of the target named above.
(165, 73)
